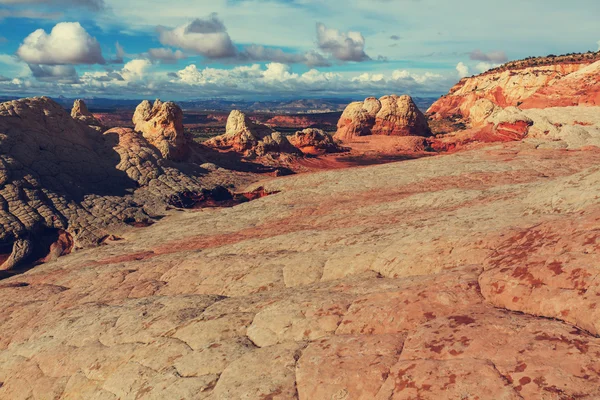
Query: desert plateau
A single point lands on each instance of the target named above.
(274, 228)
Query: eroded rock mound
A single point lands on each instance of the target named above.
(162, 125)
(81, 113)
(390, 115)
(250, 138)
(59, 174)
(312, 141)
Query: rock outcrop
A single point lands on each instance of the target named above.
(162, 125)
(471, 275)
(252, 139)
(81, 113)
(312, 141)
(58, 174)
(532, 83)
(390, 115)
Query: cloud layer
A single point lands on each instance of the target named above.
(349, 46)
(67, 43)
(207, 37)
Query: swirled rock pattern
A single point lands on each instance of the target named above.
(59, 174)
(470, 275)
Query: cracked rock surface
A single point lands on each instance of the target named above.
(465, 276)
(58, 174)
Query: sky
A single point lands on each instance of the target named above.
(275, 49)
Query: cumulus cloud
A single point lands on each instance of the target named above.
(261, 53)
(207, 37)
(279, 77)
(95, 5)
(164, 55)
(54, 73)
(485, 66)
(494, 57)
(349, 46)
(463, 70)
(67, 43)
(135, 69)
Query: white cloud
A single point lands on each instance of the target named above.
(67, 43)
(342, 46)
(463, 70)
(166, 55)
(135, 69)
(207, 37)
(280, 78)
(485, 66)
(598, 43)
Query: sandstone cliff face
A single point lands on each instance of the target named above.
(581, 88)
(251, 139)
(472, 274)
(533, 83)
(162, 125)
(58, 174)
(390, 115)
(81, 113)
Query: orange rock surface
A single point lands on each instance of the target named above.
(469, 275)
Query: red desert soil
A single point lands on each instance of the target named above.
(469, 275)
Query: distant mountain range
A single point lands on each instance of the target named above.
(281, 107)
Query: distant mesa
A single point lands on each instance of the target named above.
(390, 115)
(162, 125)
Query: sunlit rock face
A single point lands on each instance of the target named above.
(162, 125)
(81, 113)
(389, 115)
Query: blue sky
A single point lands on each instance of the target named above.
(182, 49)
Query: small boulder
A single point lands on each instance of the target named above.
(314, 142)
